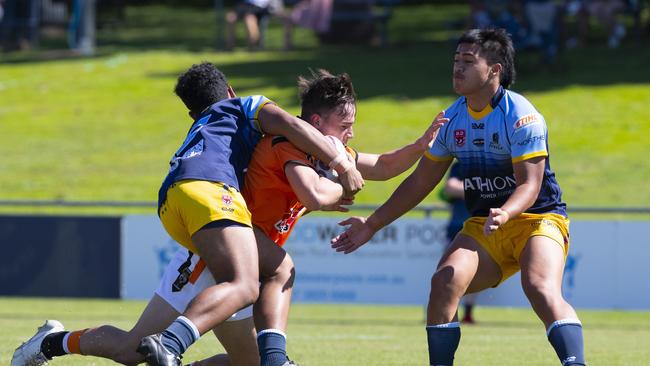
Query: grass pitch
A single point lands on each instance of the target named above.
(354, 335)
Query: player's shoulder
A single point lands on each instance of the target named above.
(282, 147)
(455, 107)
(252, 104)
(452, 112)
(518, 110)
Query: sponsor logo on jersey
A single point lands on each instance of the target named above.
(495, 142)
(459, 137)
(484, 184)
(478, 142)
(288, 220)
(226, 199)
(478, 125)
(526, 120)
(532, 140)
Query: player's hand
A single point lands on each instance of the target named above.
(353, 237)
(495, 220)
(349, 178)
(426, 141)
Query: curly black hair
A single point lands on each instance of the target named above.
(324, 93)
(201, 86)
(496, 46)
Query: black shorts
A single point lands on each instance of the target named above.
(247, 8)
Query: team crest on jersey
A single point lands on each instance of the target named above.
(459, 137)
(525, 120)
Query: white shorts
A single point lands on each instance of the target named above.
(183, 280)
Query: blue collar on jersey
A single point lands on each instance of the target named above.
(496, 98)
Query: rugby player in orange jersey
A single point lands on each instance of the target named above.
(282, 183)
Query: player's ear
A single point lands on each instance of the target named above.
(496, 68)
(314, 120)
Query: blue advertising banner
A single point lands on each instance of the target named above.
(60, 256)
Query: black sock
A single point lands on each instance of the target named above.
(52, 345)
(468, 309)
(566, 338)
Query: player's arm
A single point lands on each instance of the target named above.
(393, 163)
(275, 121)
(313, 191)
(410, 192)
(454, 188)
(528, 175)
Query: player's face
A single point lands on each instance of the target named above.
(471, 71)
(338, 123)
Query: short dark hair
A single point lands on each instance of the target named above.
(496, 46)
(324, 93)
(201, 86)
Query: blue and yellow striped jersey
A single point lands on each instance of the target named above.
(218, 145)
(487, 143)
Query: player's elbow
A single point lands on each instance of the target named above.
(312, 202)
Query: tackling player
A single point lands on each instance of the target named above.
(518, 222)
(283, 183)
(201, 207)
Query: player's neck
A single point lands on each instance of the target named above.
(480, 99)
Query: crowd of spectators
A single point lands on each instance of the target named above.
(536, 24)
(543, 24)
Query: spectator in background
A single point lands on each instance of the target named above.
(19, 24)
(252, 12)
(454, 193)
(498, 14)
(544, 27)
(312, 14)
(606, 13)
(354, 26)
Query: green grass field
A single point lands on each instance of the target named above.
(342, 335)
(103, 128)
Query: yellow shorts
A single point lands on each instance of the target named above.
(506, 244)
(192, 204)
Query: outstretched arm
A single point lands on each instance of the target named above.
(393, 163)
(409, 193)
(275, 121)
(528, 174)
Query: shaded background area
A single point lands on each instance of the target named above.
(104, 127)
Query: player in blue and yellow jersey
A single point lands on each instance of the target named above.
(201, 207)
(518, 222)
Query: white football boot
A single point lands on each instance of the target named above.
(29, 353)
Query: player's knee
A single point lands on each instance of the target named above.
(445, 284)
(540, 292)
(249, 291)
(286, 271)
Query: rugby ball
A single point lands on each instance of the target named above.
(323, 169)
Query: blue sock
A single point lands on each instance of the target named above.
(443, 341)
(273, 347)
(181, 334)
(566, 337)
